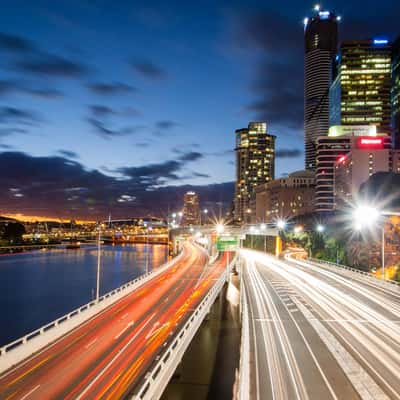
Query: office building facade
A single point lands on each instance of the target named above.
(396, 93)
(353, 169)
(255, 165)
(191, 210)
(285, 198)
(320, 47)
(361, 92)
(334, 147)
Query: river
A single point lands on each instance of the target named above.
(38, 287)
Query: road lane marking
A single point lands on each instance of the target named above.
(29, 371)
(123, 330)
(30, 392)
(82, 395)
(92, 342)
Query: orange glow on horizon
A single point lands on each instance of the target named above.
(34, 218)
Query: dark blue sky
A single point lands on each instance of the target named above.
(148, 94)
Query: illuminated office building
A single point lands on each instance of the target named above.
(341, 140)
(255, 165)
(396, 93)
(320, 46)
(360, 94)
(190, 209)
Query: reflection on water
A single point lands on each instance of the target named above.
(39, 287)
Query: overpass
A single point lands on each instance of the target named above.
(315, 330)
(126, 344)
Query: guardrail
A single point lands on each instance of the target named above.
(243, 392)
(358, 271)
(129, 286)
(159, 375)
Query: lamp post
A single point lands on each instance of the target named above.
(366, 216)
(98, 264)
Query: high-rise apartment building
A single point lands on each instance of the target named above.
(255, 165)
(330, 149)
(360, 93)
(396, 93)
(190, 209)
(320, 46)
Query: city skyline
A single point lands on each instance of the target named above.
(84, 114)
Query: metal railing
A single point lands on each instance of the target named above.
(358, 271)
(129, 286)
(161, 372)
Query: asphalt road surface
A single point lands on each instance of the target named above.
(107, 356)
(320, 332)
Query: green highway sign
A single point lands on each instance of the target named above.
(227, 243)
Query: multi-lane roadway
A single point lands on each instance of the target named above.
(320, 332)
(107, 356)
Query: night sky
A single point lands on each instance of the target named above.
(118, 106)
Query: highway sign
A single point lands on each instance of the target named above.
(227, 243)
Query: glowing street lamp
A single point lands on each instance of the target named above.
(219, 228)
(298, 229)
(320, 228)
(263, 227)
(281, 224)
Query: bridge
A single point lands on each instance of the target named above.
(127, 343)
(310, 330)
(315, 330)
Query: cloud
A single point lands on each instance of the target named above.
(13, 115)
(288, 153)
(149, 70)
(102, 123)
(5, 146)
(190, 156)
(60, 186)
(166, 124)
(15, 44)
(52, 65)
(110, 89)
(68, 154)
(277, 86)
(12, 86)
(200, 175)
(102, 129)
(142, 144)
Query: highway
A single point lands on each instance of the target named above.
(106, 357)
(319, 332)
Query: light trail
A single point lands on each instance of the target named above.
(286, 296)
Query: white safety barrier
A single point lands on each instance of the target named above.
(368, 275)
(19, 349)
(159, 375)
(243, 392)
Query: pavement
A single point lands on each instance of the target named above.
(319, 332)
(108, 355)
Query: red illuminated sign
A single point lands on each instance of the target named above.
(370, 143)
(341, 159)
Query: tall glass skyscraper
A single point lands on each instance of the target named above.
(361, 91)
(255, 165)
(320, 46)
(396, 93)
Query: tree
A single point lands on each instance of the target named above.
(13, 231)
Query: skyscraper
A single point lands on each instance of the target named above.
(255, 165)
(360, 94)
(320, 46)
(190, 209)
(396, 93)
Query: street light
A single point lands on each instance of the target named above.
(98, 263)
(263, 227)
(219, 228)
(366, 216)
(281, 224)
(320, 228)
(298, 229)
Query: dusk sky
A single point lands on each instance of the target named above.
(104, 106)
